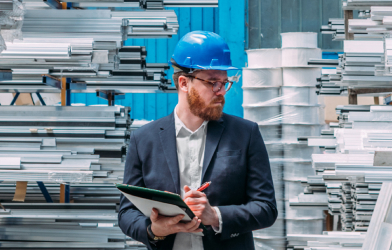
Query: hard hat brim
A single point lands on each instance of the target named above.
(221, 67)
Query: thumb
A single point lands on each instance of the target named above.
(186, 189)
(154, 214)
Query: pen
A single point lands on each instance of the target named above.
(204, 186)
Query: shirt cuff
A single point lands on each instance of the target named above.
(219, 229)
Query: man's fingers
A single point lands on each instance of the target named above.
(194, 194)
(176, 219)
(191, 224)
(195, 201)
(195, 226)
(186, 189)
(154, 214)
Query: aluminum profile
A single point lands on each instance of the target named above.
(65, 144)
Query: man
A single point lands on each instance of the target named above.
(195, 144)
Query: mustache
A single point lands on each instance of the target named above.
(218, 98)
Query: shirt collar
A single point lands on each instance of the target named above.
(180, 125)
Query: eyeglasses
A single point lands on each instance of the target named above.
(216, 85)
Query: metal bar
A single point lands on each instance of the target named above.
(68, 92)
(63, 91)
(15, 98)
(44, 192)
(40, 99)
(54, 4)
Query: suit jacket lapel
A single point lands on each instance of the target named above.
(169, 146)
(214, 133)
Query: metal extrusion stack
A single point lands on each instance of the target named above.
(63, 144)
(261, 95)
(83, 147)
(302, 115)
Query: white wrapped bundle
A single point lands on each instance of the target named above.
(299, 213)
(264, 58)
(301, 76)
(262, 77)
(298, 150)
(300, 95)
(292, 189)
(299, 57)
(298, 170)
(270, 132)
(265, 114)
(253, 95)
(299, 40)
(291, 132)
(304, 226)
(306, 114)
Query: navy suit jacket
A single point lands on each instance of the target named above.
(236, 162)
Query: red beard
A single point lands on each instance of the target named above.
(206, 112)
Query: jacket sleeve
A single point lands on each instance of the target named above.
(260, 209)
(131, 221)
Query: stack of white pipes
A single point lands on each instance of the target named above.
(302, 115)
(261, 90)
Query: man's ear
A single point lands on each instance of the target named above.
(183, 83)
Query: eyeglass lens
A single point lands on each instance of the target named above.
(218, 86)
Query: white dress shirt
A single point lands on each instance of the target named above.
(190, 152)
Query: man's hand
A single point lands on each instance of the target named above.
(198, 203)
(164, 226)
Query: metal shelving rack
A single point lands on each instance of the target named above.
(66, 52)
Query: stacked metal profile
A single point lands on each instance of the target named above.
(328, 241)
(63, 144)
(87, 47)
(56, 145)
(335, 27)
(302, 115)
(261, 90)
(360, 66)
(351, 171)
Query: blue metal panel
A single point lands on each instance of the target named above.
(155, 106)
(232, 29)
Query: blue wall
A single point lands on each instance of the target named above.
(228, 20)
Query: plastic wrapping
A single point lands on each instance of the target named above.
(253, 95)
(258, 113)
(3, 46)
(301, 76)
(296, 213)
(275, 230)
(264, 58)
(70, 176)
(291, 132)
(299, 151)
(274, 149)
(273, 243)
(13, 21)
(299, 57)
(299, 40)
(303, 226)
(262, 77)
(305, 114)
(300, 95)
(292, 189)
(298, 170)
(270, 132)
(277, 178)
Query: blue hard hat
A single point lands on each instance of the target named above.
(202, 50)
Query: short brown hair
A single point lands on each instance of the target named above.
(182, 73)
(176, 75)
